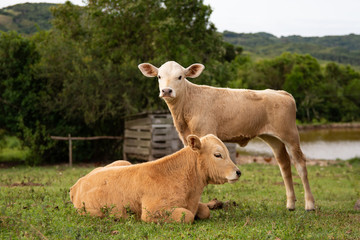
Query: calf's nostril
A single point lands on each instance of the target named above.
(167, 91)
(238, 173)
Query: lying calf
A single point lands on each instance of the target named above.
(168, 189)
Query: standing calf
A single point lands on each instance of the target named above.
(168, 189)
(234, 115)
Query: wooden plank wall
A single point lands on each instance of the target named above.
(150, 137)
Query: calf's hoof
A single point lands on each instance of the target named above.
(310, 206)
(290, 205)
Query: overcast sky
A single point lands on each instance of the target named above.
(279, 17)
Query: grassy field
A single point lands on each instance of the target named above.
(34, 204)
(11, 150)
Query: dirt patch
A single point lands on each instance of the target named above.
(216, 204)
(25, 184)
(10, 164)
(271, 160)
(357, 205)
(282, 183)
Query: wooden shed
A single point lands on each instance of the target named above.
(152, 135)
(149, 136)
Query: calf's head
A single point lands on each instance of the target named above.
(171, 76)
(214, 159)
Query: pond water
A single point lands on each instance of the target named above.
(329, 144)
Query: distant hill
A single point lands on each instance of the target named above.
(26, 18)
(342, 49)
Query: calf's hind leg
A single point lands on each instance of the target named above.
(300, 165)
(292, 142)
(283, 160)
(181, 215)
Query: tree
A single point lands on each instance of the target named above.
(303, 81)
(339, 93)
(21, 94)
(18, 89)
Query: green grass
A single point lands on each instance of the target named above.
(11, 149)
(34, 203)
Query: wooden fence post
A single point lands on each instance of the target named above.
(70, 150)
(69, 138)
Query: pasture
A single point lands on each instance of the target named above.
(34, 203)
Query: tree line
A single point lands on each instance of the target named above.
(341, 49)
(81, 76)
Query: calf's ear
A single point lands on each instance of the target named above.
(194, 142)
(194, 70)
(148, 69)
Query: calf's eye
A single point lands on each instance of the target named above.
(179, 77)
(218, 155)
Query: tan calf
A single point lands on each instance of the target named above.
(234, 115)
(168, 189)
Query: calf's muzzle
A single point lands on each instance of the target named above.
(166, 92)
